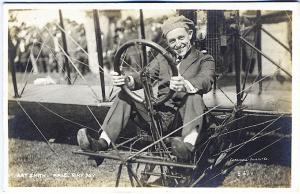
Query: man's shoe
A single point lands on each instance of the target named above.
(86, 142)
(99, 145)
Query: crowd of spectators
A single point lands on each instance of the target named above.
(39, 49)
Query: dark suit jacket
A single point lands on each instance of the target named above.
(196, 67)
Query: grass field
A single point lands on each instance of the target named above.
(33, 164)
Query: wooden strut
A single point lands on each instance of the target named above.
(131, 174)
(258, 45)
(119, 174)
(237, 62)
(143, 36)
(99, 52)
(64, 42)
(164, 174)
(137, 159)
(12, 65)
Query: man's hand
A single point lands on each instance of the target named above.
(118, 80)
(177, 83)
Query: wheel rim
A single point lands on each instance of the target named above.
(136, 43)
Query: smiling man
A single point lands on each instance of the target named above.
(196, 75)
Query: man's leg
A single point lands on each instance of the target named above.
(117, 116)
(191, 110)
(115, 120)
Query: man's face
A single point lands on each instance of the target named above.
(179, 40)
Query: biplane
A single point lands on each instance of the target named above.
(233, 128)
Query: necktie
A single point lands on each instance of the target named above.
(178, 62)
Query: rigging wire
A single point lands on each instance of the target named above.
(197, 181)
(25, 84)
(94, 93)
(236, 130)
(77, 44)
(247, 127)
(23, 79)
(49, 47)
(249, 140)
(73, 40)
(100, 126)
(255, 135)
(64, 118)
(43, 44)
(25, 74)
(43, 136)
(249, 64)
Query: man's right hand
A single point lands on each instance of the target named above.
(118, 80)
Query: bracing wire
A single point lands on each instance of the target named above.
(41, 133)
(197, 181)
(94, 93)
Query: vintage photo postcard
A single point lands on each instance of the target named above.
(172, 95)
